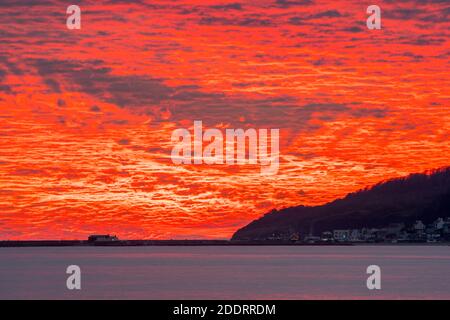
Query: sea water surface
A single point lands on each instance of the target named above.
(226, 272)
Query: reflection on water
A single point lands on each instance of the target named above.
(226, 272)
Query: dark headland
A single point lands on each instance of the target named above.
(412, 209)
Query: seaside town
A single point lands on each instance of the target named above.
(435, 232)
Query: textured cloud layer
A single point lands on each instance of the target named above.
(86, 115)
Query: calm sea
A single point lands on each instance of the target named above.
(226, 272)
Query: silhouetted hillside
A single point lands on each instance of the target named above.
(417, 196)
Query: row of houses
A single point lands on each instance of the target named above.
(437, 231)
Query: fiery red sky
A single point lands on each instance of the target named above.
(86, 115)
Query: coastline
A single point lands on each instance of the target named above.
(137, 243)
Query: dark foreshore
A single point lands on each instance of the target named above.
(136, 243)
(131, 243)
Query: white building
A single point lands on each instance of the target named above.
(439, 224)
(419, 226)
(355, 235)
(341, 235)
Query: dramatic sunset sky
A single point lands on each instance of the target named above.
(86, 116)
